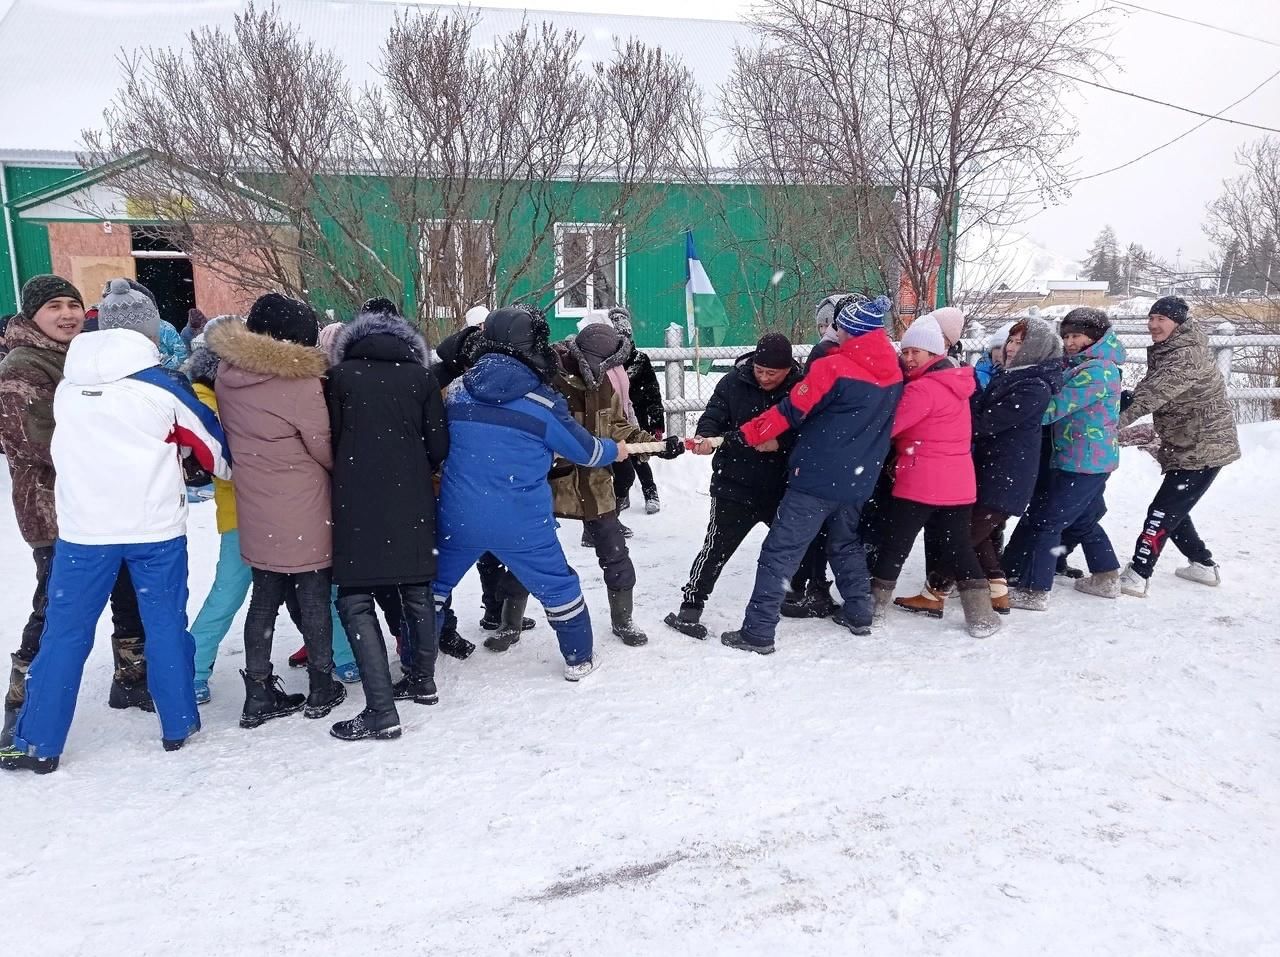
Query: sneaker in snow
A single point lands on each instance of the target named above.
(202, 692)
(348, 674)
(299, 658)
(736, 639)
(1201, 574)
(1101, 584)
(624, 503)
(652, 505)
(688, 622)
(1069, 572)
(13, 760)
(581, 670)
(1133, 584)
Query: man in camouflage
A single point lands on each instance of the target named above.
(52, 315)
(1186, 396)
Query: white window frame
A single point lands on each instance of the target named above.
(619, 264)
(424, 254)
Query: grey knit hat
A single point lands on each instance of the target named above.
(124, 307)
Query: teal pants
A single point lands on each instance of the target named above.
(231, 581)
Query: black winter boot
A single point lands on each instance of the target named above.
(420, 689)
(688, 621)
(736, 639)
(129, 683)
(512, 625)
(265, 698)
(492, 619)
(381, 726)
(454, 645)
(327, 692)
(816, 602)
(6, 733)
(620, 608)
(11, 760)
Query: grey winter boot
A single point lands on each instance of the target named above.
(620, 606)
(129, 683)
(512, 625)
(980, 619)
(1102, 585)
(881, 598)
(1028, 599)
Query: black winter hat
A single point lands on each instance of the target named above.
(1087, 321)
(773, 351)
(522, 332)
(1172, 307)
(289, 320)
(381, 305)
(40, 289)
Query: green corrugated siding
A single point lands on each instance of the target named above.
(30, 239)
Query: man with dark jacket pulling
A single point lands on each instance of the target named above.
(844, 411)
(746, 483)
(386, 416)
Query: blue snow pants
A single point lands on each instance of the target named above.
(542, 568)
(1068, 508)
(800, 517)
(79, 586)
(231, 582)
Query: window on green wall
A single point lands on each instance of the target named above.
(457, 256)
(591, 268)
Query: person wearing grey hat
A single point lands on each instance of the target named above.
(123, 307)
(174, 350)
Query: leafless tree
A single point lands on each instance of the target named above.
(440, 184)
(923, 113)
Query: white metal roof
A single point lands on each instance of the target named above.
(59, 69)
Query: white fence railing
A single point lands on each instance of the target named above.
(676, 358)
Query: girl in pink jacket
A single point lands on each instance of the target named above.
(933, 479)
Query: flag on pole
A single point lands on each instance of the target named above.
(705, 317)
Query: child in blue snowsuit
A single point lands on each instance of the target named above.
(505, 423)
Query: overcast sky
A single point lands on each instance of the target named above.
(1160, 201)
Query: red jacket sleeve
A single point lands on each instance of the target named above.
(795, 408)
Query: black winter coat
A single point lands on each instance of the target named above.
(1007, 434)
(456, 354)
(389, 436)
(646, 397)
(743, 474)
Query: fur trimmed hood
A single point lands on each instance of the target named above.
(378, 324)
(593, 376)
(261, 356)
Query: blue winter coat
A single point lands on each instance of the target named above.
(1007, 433)
(504, 426)
(985, 370)
(173, 351)
(1085, 414)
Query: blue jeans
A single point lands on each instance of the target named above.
(799, 519)
(543, 570)
(79, 585)
(1069, 506)
(231, 581)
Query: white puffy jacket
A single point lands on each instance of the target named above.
(120, 420)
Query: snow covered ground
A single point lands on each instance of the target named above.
(1103, 779)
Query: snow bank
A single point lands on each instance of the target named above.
(1102, 779)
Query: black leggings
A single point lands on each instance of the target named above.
(986, 535)
(625, 474)
(314, 612)
(1169, 518)
(951, 524)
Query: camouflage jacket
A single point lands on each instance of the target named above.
(29, 375)
(1185, 395)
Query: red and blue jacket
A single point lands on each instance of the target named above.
(843, 409)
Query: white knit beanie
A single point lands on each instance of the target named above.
(926, 334)
(476, 315)
(951, 321)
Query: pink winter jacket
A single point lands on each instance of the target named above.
(933, 437)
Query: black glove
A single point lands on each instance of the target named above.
(193, 474)
(1126, 399)
(734, 438)
(674, 449)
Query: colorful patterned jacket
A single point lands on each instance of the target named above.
(1085, 415)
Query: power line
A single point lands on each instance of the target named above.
(1043, 69)
(1198, 23)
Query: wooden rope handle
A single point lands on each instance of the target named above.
(653, 448)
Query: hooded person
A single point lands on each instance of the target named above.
(1006, 453)
(842, 410)
(389, 438)
(38, 337)
(505, 425)
(934, 485)
(646, 405)
(1186, 395)
(993, 356)
(196, 321)
(115, 404)
(1070, 502)
(747, 484)
(591, 363)
(270, 395)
